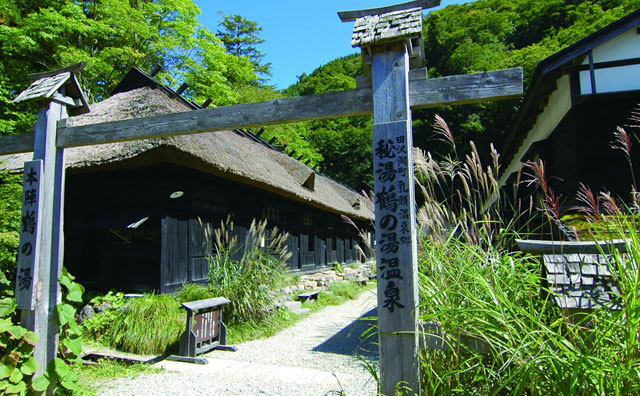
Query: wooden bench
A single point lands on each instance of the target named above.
(312, 295)
(205, 330)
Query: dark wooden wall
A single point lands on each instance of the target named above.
(579, 150)
(103, 202)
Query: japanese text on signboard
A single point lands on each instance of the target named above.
(27, 250)
(392, 172)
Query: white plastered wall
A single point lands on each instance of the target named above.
(614, 79)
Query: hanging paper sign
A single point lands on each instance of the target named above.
(26, 275)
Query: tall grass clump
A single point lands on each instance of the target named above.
(528, 345)
(503, 335)
(151, 324)
(194, 291)
(456, 192)
(252, 282)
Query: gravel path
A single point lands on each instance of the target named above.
(321, 355)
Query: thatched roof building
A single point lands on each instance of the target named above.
(137, 211)
(234, 155)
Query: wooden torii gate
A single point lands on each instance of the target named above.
(391, 39)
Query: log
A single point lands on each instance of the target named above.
(434, 92)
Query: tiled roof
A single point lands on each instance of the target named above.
(581, 280)
(43, 87)
(394, 25)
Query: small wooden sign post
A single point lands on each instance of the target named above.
(40, 252)
(391, 38)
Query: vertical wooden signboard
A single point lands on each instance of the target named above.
(28, 249)
(387, 36)
(396, 249)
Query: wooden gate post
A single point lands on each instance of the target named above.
(396, 239)
(387, 36)
(48, 244)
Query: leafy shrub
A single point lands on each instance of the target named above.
(17, 364)
(252, 283)
(98, 326)
(151, 324)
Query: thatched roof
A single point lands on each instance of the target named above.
(228, 154)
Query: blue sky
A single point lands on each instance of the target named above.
(299, 35)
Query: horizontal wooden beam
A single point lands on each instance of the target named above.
(433, 92)
(349, 16)
(466, 88)
(246, 115)
(14, 144)
(571, 247)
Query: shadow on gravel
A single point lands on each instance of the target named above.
(356, 339)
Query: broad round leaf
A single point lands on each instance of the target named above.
(30, 366)
(5, 370)
(40, 384)
(15, 389)
(16, 377)
(31, 338)
(69, 382)
(74, 343)
(7, 306)
(17, 331)
(66, 314)
(57, 369)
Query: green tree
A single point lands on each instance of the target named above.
(344, 145)
(111, 36)
(497, 34)
(241, 36)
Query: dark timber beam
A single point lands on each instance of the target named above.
(14, 144)
(349, 16)
(432, 92)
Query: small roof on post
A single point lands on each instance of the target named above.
(47, 87)
(400, 22)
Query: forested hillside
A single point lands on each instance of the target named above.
(478, 36)
(111, 36)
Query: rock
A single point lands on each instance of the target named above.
(86, 312)
(295, 307)
(99, 309)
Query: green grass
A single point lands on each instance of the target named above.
(193, 292)
(92, 377)
(338, 294)
(281, 319)
(151, 324)
(534, 349)
(247, 331)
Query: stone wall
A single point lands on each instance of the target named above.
(322, 280)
